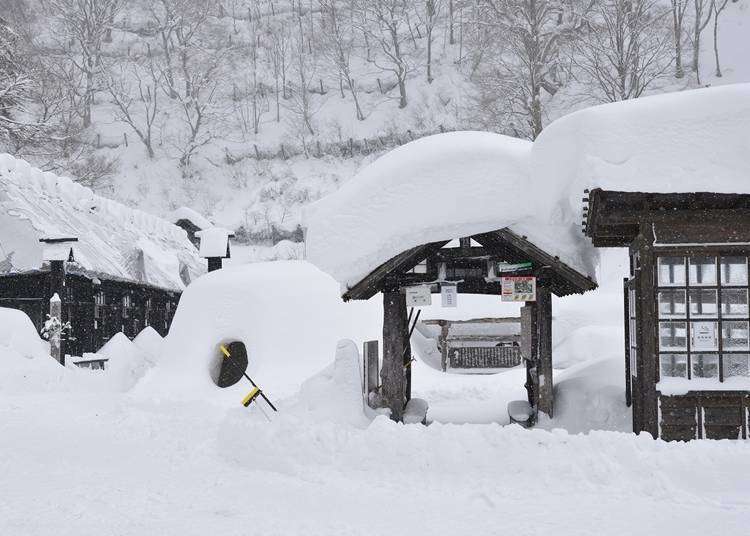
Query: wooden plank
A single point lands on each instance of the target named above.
(371, 368)
(648, 357)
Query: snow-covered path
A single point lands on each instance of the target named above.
(96, 464)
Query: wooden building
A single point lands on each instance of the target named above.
(113, 267)
(687, 331)
(471, 269)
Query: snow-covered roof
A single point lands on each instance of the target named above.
(114, 241)
(690, 141)
(186, 213)
(439, 188)
(214, 242)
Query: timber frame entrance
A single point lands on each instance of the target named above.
(468, 268)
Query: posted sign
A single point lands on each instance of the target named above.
(449, 295)
(418, 296)
(519, 288)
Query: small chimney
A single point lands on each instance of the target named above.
(214, 246)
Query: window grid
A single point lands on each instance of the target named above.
(688, 319)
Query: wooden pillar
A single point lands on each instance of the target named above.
(393, 378)
(55, 339)
(648, 358)
(56, 287)
(545, 396)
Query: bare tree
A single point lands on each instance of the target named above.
(304, 67)
(134, 89)
(628, 48)
(679, 7)
(703, 9)
(86, 24)
(279, 55)
(531, 33)
(429, 18)
(385, 22)
(338, 45)
(718, 7)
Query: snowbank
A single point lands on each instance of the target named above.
(150, 343)
(677, 142)
(18, 333)
(436, 188)
(113, 239)
(126, 362)
(288, 314)
(334, 394)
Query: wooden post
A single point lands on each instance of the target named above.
(648, 359)
(370, 369)
(529, 350)
(55, 341)
(393, 379)
(545, 397)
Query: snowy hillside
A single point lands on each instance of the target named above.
(276, 103)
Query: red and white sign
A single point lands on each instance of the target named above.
(519, 288)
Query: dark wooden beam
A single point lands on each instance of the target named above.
(392, 372)
(545, 397)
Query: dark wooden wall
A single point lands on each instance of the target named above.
(92, 325)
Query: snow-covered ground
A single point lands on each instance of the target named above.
(77, 458)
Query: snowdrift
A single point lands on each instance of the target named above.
(288, 314)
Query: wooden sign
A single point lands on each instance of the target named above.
(419, 296)
(485, 358)
(519, 288)
(505, 267)
(449, 295)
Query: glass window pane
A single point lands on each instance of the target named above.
(672, 304)
(705, 365)
(672, 336)
(703, 304)
(736, 365)
(734, 336)
(671, 271)
(704, 336)
(734, 303)
(673, 365)
(734, 270)
(702, 271)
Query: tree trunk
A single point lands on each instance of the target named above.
(716, 41)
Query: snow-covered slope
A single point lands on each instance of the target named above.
(113, 240)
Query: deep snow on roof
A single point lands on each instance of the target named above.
(439, 188)
(113, 240)
(463, 183)
(187, 213)
(691, 141)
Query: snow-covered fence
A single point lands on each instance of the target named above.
(344, 148)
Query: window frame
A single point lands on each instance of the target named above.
(689, 319)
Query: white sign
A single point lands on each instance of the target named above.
(449, 295)
(519, 288)
(704, 336)
(418, 296)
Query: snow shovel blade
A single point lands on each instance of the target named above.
(232, 364)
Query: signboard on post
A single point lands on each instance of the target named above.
(519, 288)
(418, 296)
(449, 295)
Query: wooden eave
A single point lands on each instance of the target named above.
(613, 218)
(562, 279)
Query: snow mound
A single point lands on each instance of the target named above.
(436, 188)
(150, 343)
(677, 142)
(126, 364)
(288, 314)
(17, 332)
(590, 396)
(194, 217)
(335, 393)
